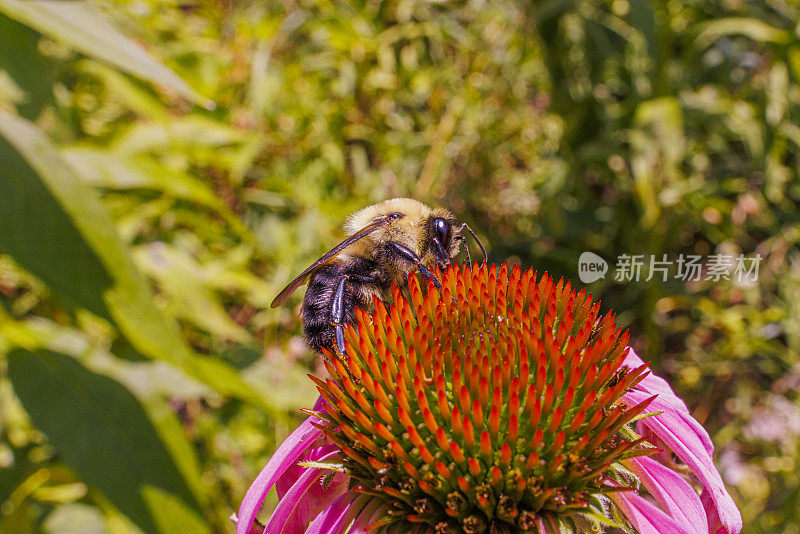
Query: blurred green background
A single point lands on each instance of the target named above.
(143, 230)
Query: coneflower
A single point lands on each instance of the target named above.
(502, 403)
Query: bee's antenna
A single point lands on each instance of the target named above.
(466, 249)
(478, 241)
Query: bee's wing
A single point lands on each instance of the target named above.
(302, 277)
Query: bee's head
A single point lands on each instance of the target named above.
(444, 238)
(433, 233)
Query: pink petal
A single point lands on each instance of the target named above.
(254, 528)
(281, 519)
(646, 517)
(315, 500)
(353, 513)
(290, 476)
(672, 492)
(686, 437)
(332, 516)
(667, 400)
(653, 382)
(715, 527)
(287, 454)
(373, 511)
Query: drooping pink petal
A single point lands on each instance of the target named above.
(646, 517)
(283, 517)
(317, 497)
(285, 457)
(255, 528)
(685, 437)
(331, 517)
(681, 433)
(715, 527)
(290, 476)
(675, 495)
(667, 399)
(373, 511)
(353, 513)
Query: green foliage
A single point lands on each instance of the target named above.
(85, 28)
(143, 232)
(103, 433)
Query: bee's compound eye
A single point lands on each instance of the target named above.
(442, 231)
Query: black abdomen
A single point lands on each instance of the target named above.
(318, 302)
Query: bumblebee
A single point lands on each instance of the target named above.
(385, 243)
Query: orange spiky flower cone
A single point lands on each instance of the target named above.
(501, 403)
(486, 406)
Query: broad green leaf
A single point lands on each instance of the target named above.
(174, 438)
(82, 26)
(30, 70)
(113, 170)
(147, 380)
(38, 233)
(100, 430)
(60, 231)
(171, 514)
(181, 133)
(132, 93)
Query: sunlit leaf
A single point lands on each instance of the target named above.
(180, 277)
(753, 28)
(148, 381)
(81, 25)
(112, 169)
(74, 518)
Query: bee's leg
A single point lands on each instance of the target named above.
(442, 254)
(411, 256)
(339, 306)
(337, 314)
(466, 249)
(463, 240)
